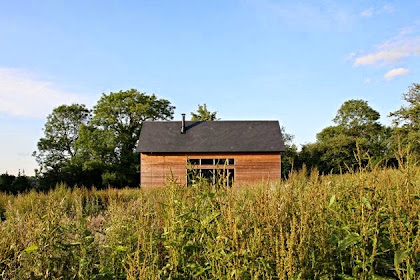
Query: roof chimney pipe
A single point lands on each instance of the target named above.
(183, 124)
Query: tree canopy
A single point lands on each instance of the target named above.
(356, 138)
(357, 118)
(57, 147)
(83, 147)
(406, 120)
(108, 141)
(203, 114)
(409, 116)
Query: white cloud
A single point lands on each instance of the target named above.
(391, 52)
(368, 80)
(400, 49)
(396, 72)
(23, 95)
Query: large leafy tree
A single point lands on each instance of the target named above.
(203, 114)
(57, 147)
(359, 122)
(357, 118)
(108, 142)
(357, 131)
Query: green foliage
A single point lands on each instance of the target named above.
(80, 147)
(14, 184)
(6, 182)
(356, 116)
(409, 117)
(203, 114)
(56, 149)
(357, 138)
(361, 225)
(290, 156)
(108, 142)
(406, 132)
(61, 130)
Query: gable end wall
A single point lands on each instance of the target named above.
(249, 168)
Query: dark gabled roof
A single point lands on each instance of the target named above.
(210, 137)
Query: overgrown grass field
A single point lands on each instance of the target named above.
(361, 225)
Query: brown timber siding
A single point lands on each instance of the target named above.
(155, 168)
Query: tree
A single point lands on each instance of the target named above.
(409, 117)
(56, 149)
(20, 184)
(329, 132)
(357, 131)
(289, 157)
(14, 184)
(406, 122)
(203, 114)
(61, 130)
(6, 182)
(357, 118)
(107, 144)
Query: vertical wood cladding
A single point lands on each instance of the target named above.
(156, 168)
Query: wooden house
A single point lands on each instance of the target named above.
(219, 151)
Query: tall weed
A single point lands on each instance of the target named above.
(359, 225)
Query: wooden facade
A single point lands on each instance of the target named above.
(248, 167)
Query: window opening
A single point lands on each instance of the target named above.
(193, 161)
(222, 174)
(207, 161)
(211, 161)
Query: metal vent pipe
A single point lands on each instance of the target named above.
(183, 124)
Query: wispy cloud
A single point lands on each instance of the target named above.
(24, 95)
(388, 8)
(391, 52)
(319, 16)
(350, 56)
(368, 80)
(385, 9)
(367, 12)
(404, 45)
(394, 52)
(395, 72)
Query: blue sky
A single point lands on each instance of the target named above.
(292, 61)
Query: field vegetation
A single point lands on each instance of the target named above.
(359, 225)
